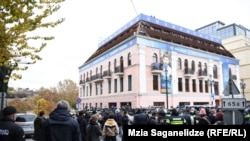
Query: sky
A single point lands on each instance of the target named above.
(87, 22)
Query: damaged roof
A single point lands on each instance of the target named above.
(154, 28)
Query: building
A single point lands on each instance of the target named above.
(236, 39)
(150, 62)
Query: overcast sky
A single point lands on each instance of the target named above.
(89, 21)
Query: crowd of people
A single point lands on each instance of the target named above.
(105, 124)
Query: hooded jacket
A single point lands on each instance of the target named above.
(60, 126)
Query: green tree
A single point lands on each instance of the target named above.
(19, 19)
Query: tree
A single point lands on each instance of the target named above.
(68, 90)
(18, 20)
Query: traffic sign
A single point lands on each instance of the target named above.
(233, 103)
(233, 117)
(78, 100)
(234, 90)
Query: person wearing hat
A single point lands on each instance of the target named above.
(60, 126)
(9, 130)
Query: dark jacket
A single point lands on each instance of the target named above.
(37, 126)
(10, 131)
(83, 122)
(140, 118)
(94, 131)
(60, 127)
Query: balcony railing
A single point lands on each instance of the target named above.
(106, 74)
(119, 70)
(82, 82)
(97, 77)
(188, 72)
(202, 74)
(156, 67)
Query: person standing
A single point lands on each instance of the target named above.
(110, 128)
(60, 126)
(9, 130)
(38, 124)
(93, 130)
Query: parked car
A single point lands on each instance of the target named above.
(26, 121)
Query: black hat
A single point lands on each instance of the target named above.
(9, 110)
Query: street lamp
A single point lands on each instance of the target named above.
(166, 74)
(211, 83)
(243, 86)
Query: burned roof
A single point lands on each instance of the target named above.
(154, 28)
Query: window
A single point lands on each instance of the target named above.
(109, 69)
(114, 64)
(216, 88)
(179, 64)
(187, 85)
(215, 71)
(96, 89)
(154, 57)
(90, 89)
(121, 84)
(205, 68)
(101, 71)
(206, 86)
(201, 86)
(194, 85)
(180, 84)
(193, 66)
(121, 64)
(129, 59)
(186, 63)
(155, 82)
(109, 85)
(115, 85)
(101, 89)
(129, 82)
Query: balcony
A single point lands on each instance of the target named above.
(97, 78)
(88, 80)
(119, 70)
(106, 74)
(156, 68)
(202, 74)
(188, 72)
(82, 82)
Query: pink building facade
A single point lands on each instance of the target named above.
(149, 62)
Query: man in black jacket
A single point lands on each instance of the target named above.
(60, 126)
(9, 130)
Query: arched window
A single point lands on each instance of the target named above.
(121, 64)
(101, 70)
(186, 64)
(205, 68)
(154, 58)
(193, 66)
(129, 59)
(215, 71)
(114, 64)
(109, 67)
(199, 66)
(179, 64)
